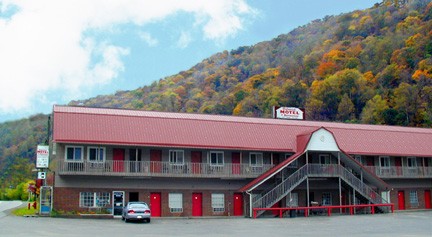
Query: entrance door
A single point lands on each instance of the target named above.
(196, 204)
(427, 197)
(238, 204)
(118, 202)
(135, 160)
(398, 164)
(155, 204)
(401, 200)
(196, 160)
(235, 160)
(155, 161)
(118, 157)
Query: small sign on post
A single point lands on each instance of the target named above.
(41, 175)
(42, 156)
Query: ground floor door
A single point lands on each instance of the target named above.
(427, 198)
(197, 204)
(238, 204)
(118, 157)
(401, 200)
(155, 204)
(118, 202)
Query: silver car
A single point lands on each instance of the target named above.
(136, 211)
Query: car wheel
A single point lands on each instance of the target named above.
(126, 220)
(123, 218)
(148, 220)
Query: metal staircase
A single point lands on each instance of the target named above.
(271, 197)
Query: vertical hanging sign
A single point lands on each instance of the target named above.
(42, 156)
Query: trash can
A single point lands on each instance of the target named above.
(293, 213)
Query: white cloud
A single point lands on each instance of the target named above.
(45, 46)
(148, 39)
(184, 40)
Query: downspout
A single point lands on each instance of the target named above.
(250, 203)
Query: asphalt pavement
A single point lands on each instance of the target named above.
(413, 223)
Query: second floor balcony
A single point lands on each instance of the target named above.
(160, 169)
(401, 172)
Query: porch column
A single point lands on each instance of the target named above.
(354, 203)
(340, 194)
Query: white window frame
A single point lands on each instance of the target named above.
(258, 156)
(359, 159)
(413, 198)
(326, 199)
(74, 158)
(293, 164)
(217, 153)
(176, 157)
(94, 199)
(384, 162)
(412, 162)
(218, 202)
(326, 158)
(175, 202)
(98, 154)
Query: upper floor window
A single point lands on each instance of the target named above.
(176, 157)
(74, 153)
(96, 154)
(359, 159)
(256, 159)
(217, 158)
(384, 162)
(411, 162)
(324, 159)
(294, 163)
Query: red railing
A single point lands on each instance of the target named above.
(328, 209)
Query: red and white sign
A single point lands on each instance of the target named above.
(42, 156)
(288, 113)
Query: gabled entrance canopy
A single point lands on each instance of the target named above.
(319, 140)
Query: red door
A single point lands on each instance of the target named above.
(155, 204)
(238, 204)
(196, 204)
(276, 212)
(155, 161)
(401, 200)
(398, 164)
(427, 197)
(235, 160)
(196, 160)
(118, 157)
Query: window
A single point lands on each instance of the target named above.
(324, 159)
(96, 154)
(94, 199)
(411, 162)
(216, 158)
(256, 159)
(413, 198)
(359, 159)
(384, 162)
(74, 153)
(326, 199)
(218, 202)
(294, 163)
(176, 157)
(175, 202)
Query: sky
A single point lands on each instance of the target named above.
(55, 51)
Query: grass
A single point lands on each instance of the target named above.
(23, 211)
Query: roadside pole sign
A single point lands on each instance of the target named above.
(42, 156)
(41, 175)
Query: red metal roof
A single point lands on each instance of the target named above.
(148, 128)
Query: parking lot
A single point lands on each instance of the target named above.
(398, 224)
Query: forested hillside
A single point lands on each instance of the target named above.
(372, 66)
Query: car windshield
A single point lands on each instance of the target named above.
(138, 205)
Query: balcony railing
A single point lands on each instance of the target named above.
(161, 169)
(401, 172)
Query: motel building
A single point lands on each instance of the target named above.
(192, 165)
